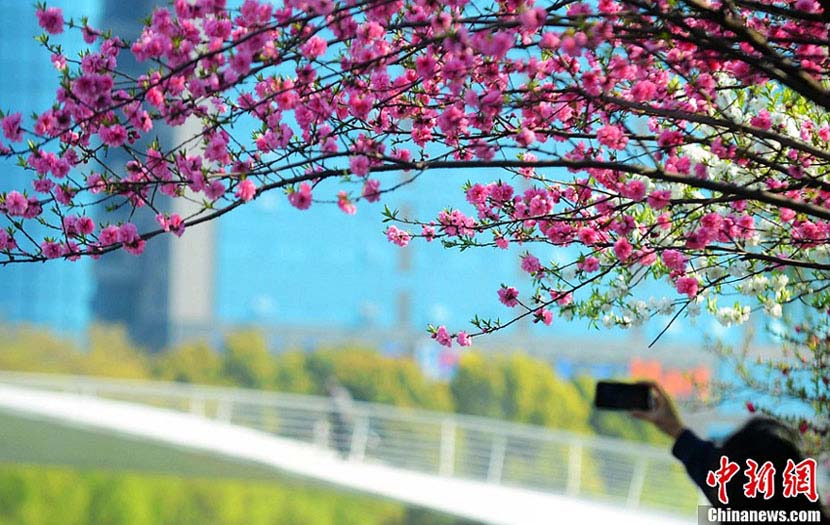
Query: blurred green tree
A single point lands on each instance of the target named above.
(194, 362)
(478, 386)
(112, 354)
(247, 361)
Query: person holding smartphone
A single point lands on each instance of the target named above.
(760, 440)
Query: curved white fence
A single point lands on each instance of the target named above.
(448, 445)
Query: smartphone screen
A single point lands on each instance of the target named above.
(612, 395)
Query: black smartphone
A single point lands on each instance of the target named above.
(613, 395)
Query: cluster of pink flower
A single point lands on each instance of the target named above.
(623, 96)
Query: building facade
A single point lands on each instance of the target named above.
(56, 294)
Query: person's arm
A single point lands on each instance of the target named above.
(697, 455)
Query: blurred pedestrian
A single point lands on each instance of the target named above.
(341, 418)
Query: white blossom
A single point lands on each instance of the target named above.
(663, 306)
(727, 316)
(773, 309)
(713, 273)
(779, 282)
(738, 268)
(754, 286)
(569, 273)
(693, 309)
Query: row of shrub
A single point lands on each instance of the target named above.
(514, 387)
(47, 495)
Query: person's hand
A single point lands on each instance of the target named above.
(663, 414)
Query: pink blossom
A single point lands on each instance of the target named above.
(645, 257)
(525, 137)
(573, 45)
(623, 249)
(549, 40)
(51, 249)
(669, 138)
(687, 285)
(16, 203)
(634, 190)
(398, 236)
(59, 61)
(643, 91)
(314, 47)
(128, 233)
(463, 339)
(509, 296)
(589, 265)
(43, 185)
(70, 225)
(425, 66)
(500, 44)
(217, 147)
(674, 260)
(359, 165)
(455, 223)
(612, 137)
(562, 298)
(700, 238)
(50, 19)
(246, 190)
(215, 189)
(442, 336)
(301, 198)
(371, 190)
(345, 204)
(360, 105)
(544, 315)
(533, 19)
(86, 225)
(659, 199)
(114, 136)
(6, 241)
(477, 194)
(746, 225)
(712, 221)
(136, 248)
(109, 236)
(11, 127)
(174, 223)
(428, 232)
(762, 120)
(587, 236)
(531, 264)
(810, 6)
(89, 34)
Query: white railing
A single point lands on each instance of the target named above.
(621, 472)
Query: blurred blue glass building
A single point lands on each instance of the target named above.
(56, 295)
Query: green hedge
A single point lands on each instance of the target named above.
(39, 495)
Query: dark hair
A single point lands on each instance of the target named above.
(765, 439)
